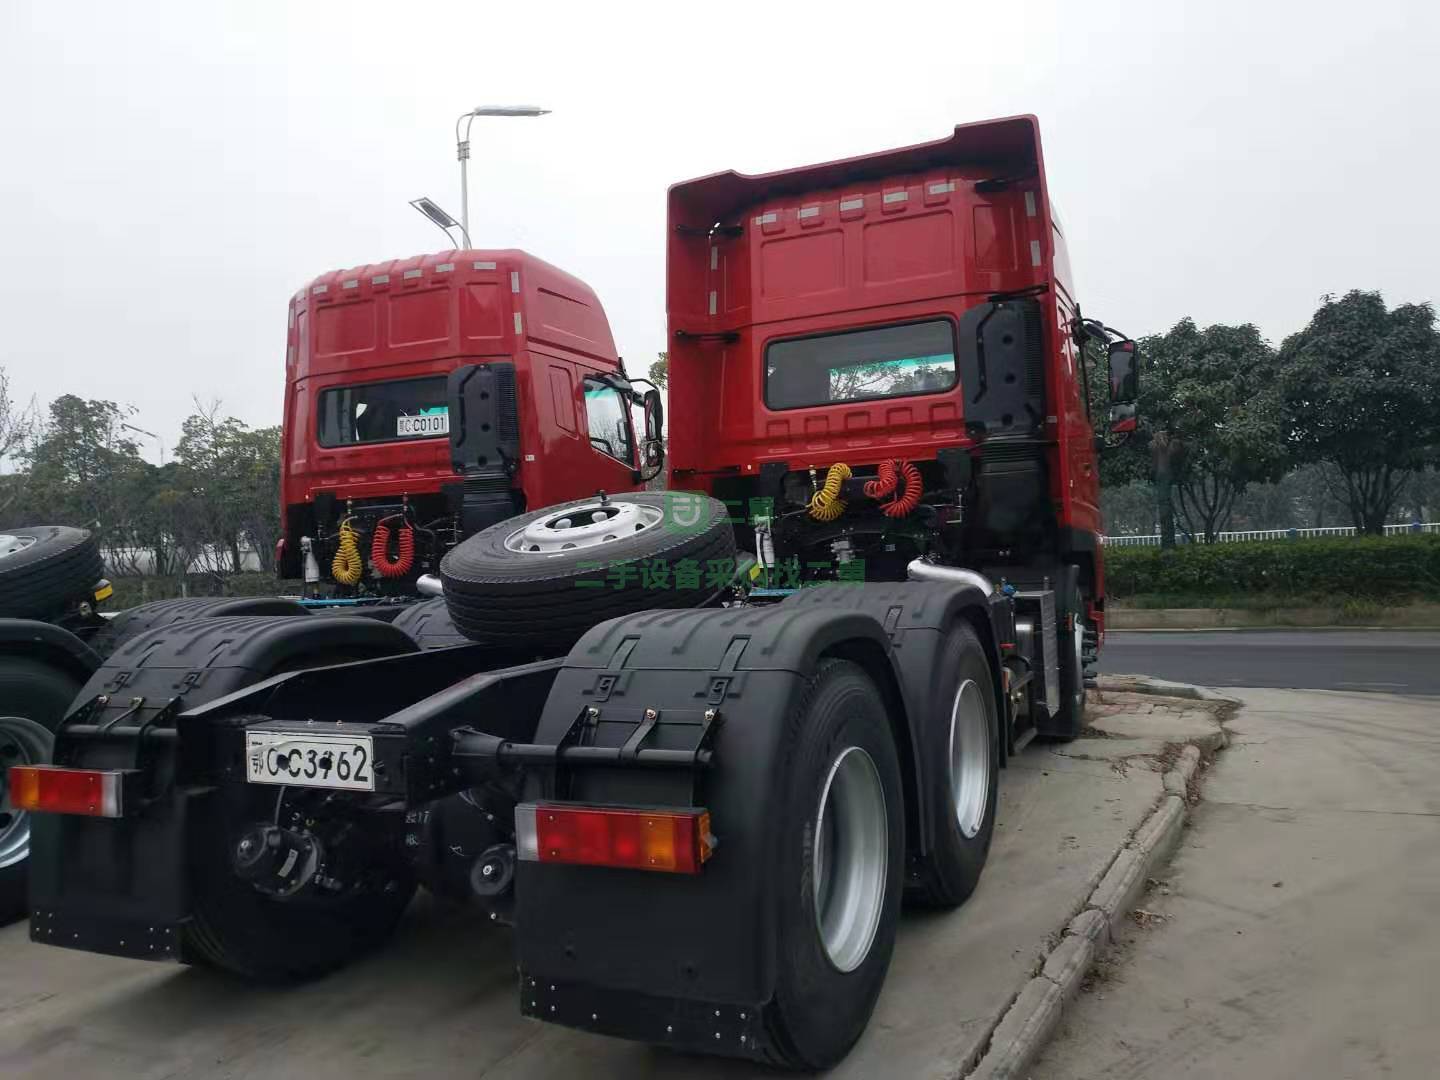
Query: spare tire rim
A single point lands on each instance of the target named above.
(852, 849)
(588, 525)
(11, 544)
(970, 755)
(22, 742)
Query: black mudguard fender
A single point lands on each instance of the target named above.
(671, 937)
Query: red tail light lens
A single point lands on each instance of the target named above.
(672, 841)
(49, 789)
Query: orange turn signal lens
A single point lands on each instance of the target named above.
(671, 841)
(50, 789)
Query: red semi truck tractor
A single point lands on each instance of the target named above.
(427, 398)
(706, 740)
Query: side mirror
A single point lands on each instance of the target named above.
(653, 452)
(1124, 373)
(1124, 386)
(654, 415)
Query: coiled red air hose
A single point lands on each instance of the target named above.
(380, 551)
(887, 481)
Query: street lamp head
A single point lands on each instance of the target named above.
(434, 212)
(508, 110)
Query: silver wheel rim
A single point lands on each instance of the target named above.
(1078, 634)
(852, 850)
(10, 544)
(969, 758)
(588, 525)
(22, 742)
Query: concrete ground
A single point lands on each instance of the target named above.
(1388, 661)
(441, 1000)
(1296, 932)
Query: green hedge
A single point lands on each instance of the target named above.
(1344, 566)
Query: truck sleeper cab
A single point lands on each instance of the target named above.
(379, 362)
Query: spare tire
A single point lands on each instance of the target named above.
(545, 577)
(136, 620)
(44, 566)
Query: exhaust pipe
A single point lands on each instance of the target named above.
(429, 585)
(920, 570)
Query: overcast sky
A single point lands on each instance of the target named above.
(170, 172)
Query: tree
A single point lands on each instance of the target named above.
(1361, 391)
(1210, 421)
(82, 469)
(232, 475)
(660, 370)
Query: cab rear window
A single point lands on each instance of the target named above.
(384, 412)
(860, 365)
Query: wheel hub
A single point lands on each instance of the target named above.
(970, 754)
(11, 544)
(585, 526)
(852, 849)
(22, 742)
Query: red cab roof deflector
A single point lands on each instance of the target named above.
(1011, 144)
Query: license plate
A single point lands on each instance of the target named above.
(317, 761)
(429, 424)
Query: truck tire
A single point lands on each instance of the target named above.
(840, 848)
(962, 758)
(33, 699)
(543, 578)
(43, 566)
(1069, 719)
(136, 620)
(429, 625)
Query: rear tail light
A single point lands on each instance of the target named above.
(673, 841)
(49, 789)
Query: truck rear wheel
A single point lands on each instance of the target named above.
(546, 577)
(43, 566)
(33, 698)
(840, 845)
(962, 755)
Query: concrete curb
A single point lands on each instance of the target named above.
(1025, 1027)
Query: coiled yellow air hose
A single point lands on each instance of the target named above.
(826, 504)
(348, 565)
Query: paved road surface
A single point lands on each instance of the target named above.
(1298, 935)
(1392, 661)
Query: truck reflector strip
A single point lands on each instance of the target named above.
(808, 212)
(941, 189)
(50, 789)
(767, 218)
(380, 279)
(896, 196)
(519, 325)
(669, 841)
(412, 273)
(853, 204)
(1034, 252)
(1029, 204)
(484, 266)
(353, 283)
(514, 281)
(318, 289)
(444, 268)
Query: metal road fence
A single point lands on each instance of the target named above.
(1181, 537)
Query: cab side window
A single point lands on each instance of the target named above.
(608, 420)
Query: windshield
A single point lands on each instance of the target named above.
(854, 365)
(382, 412)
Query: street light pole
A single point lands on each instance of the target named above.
(462, 149)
